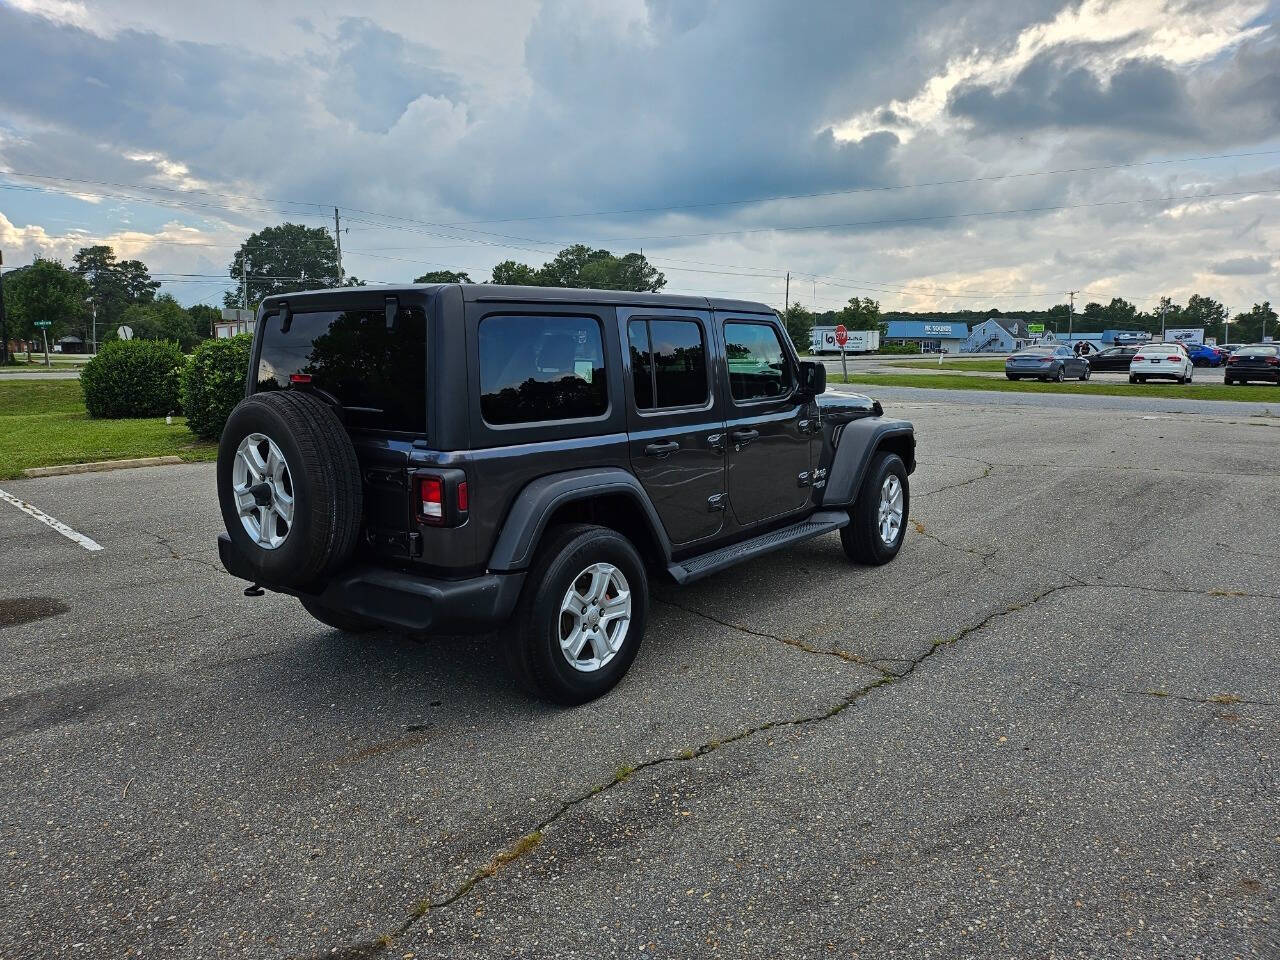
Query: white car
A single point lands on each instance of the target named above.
(1168, 361)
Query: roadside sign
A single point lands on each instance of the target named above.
(44, 323)
(124, 333)
(1035, 328)
(842, 335)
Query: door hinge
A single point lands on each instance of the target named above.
(716, 502)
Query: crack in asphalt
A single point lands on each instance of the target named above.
(988, 468)
(534, 837)
(789, 641)
(1217, 700)
(922, 530)
(175, 555)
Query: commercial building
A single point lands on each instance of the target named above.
(932, 335)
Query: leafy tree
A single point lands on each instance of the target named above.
(204, 317)
(863, 313)
(517, 274)
(1119, 314)
(1205, 312)
(113, 285)
(285, 259)
(444, 276)
(46, 290)
(799, 324)
(165, 319)
(1258, 322)
(580, 266)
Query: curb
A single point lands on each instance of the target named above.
(100, 466)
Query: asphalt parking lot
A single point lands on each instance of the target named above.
(1050, 728)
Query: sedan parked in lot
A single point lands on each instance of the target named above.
(1260, 361)
(1046, 363)
(1113, 358)
(1164, 361)
(1203, 355)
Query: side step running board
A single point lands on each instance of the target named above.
(695, 568)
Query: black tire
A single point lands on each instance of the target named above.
(1085, 376)
(1011, 376)
(325, 480)
(1228, 381)
(346, 622)
(533, 652)
(861, 538)
(1060, 374)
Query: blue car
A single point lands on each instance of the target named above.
(1203, 355)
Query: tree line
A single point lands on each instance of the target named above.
(292, 257)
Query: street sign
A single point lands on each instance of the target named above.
(44, 323)
(842, 335)
(1035, 328)
(124, 333)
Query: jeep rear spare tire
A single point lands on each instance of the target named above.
(289, 487)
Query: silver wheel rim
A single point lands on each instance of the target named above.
(595, 615)
(263, 488)
(890, 509)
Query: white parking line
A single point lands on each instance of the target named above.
(49, 521)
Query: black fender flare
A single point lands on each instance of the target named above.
(858, 442)
(539, 500)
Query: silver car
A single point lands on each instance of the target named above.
(1046, 363)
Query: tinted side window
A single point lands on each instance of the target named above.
(378, 375)
(541, 368)
(758, 365)
(641, 365)
(671, 353)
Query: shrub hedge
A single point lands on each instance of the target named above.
(213, 383)
(132, 378)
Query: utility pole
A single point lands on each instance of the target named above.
(1071, 313)
(4, 326)
(786, 299)
(244, 283)
(1164, 307)
(337, 238)
(93, 305)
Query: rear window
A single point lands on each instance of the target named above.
(1257, 352)
(378, 375)
(668, 363)
(535, 369)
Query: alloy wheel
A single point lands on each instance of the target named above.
(263, 488)
(595, 615)
(890, 514)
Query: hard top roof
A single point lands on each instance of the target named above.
(499, 293)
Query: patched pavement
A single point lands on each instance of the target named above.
(1049, 728)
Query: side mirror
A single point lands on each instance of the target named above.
(813, 377)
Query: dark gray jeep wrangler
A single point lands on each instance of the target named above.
(445, 458)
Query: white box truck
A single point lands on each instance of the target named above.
(860, 341)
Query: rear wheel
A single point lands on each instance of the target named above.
(878, 518)
(1087, 373)
(1132, 378)
(346, 622)
(1061, 373)
(581, 615)
(1011, 376)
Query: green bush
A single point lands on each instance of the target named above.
(899, 348)
(213, 383)
(132, 378)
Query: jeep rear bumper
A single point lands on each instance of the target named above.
(404, 601)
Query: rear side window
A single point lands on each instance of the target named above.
(535, 369)
(668, 363)
(377, 374)
(758, 367)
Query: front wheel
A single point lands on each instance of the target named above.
(581, 615)
(878, 519)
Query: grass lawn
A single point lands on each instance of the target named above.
(981, 365)
(44, 424)
(1264, 393)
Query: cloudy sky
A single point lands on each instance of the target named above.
(933, 154)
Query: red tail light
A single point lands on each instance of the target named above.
(1173, 359)
(1233, 359)
(1139, 358)
(1047, 360)
(1274, 361)
(299, 378)
(431, 499)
